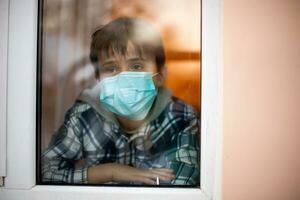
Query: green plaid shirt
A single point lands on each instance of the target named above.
(171, 140)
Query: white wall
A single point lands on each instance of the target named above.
(261, 158)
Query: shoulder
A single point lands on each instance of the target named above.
(179, 108)
(83, 118)
(79, 109)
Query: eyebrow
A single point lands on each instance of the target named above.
(136, 59)
(108, 62)
(133, 59)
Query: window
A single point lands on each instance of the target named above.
(133, 114)
(21, 117)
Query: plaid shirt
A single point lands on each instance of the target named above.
(171, 140)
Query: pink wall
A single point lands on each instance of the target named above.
(261, 100)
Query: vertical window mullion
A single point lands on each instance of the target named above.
(3, 84)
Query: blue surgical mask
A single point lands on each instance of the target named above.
(128, 94)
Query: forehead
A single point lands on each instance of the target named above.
(131, 51)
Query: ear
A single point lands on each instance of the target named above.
(162, 75)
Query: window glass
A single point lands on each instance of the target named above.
(119, 98)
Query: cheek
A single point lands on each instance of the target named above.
(103, 76)
(151, 69)
(150, 66)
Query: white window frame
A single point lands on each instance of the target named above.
(3, 84)
(20, 181)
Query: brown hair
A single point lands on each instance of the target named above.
(113, 39)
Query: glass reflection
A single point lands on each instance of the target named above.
(133, 145)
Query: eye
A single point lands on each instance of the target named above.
(137, 67)
(109, 69)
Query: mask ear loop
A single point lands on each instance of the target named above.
(155, 74)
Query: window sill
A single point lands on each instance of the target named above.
(91, 193)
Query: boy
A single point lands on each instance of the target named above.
(127, 128)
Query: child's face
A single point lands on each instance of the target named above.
(132, 62)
